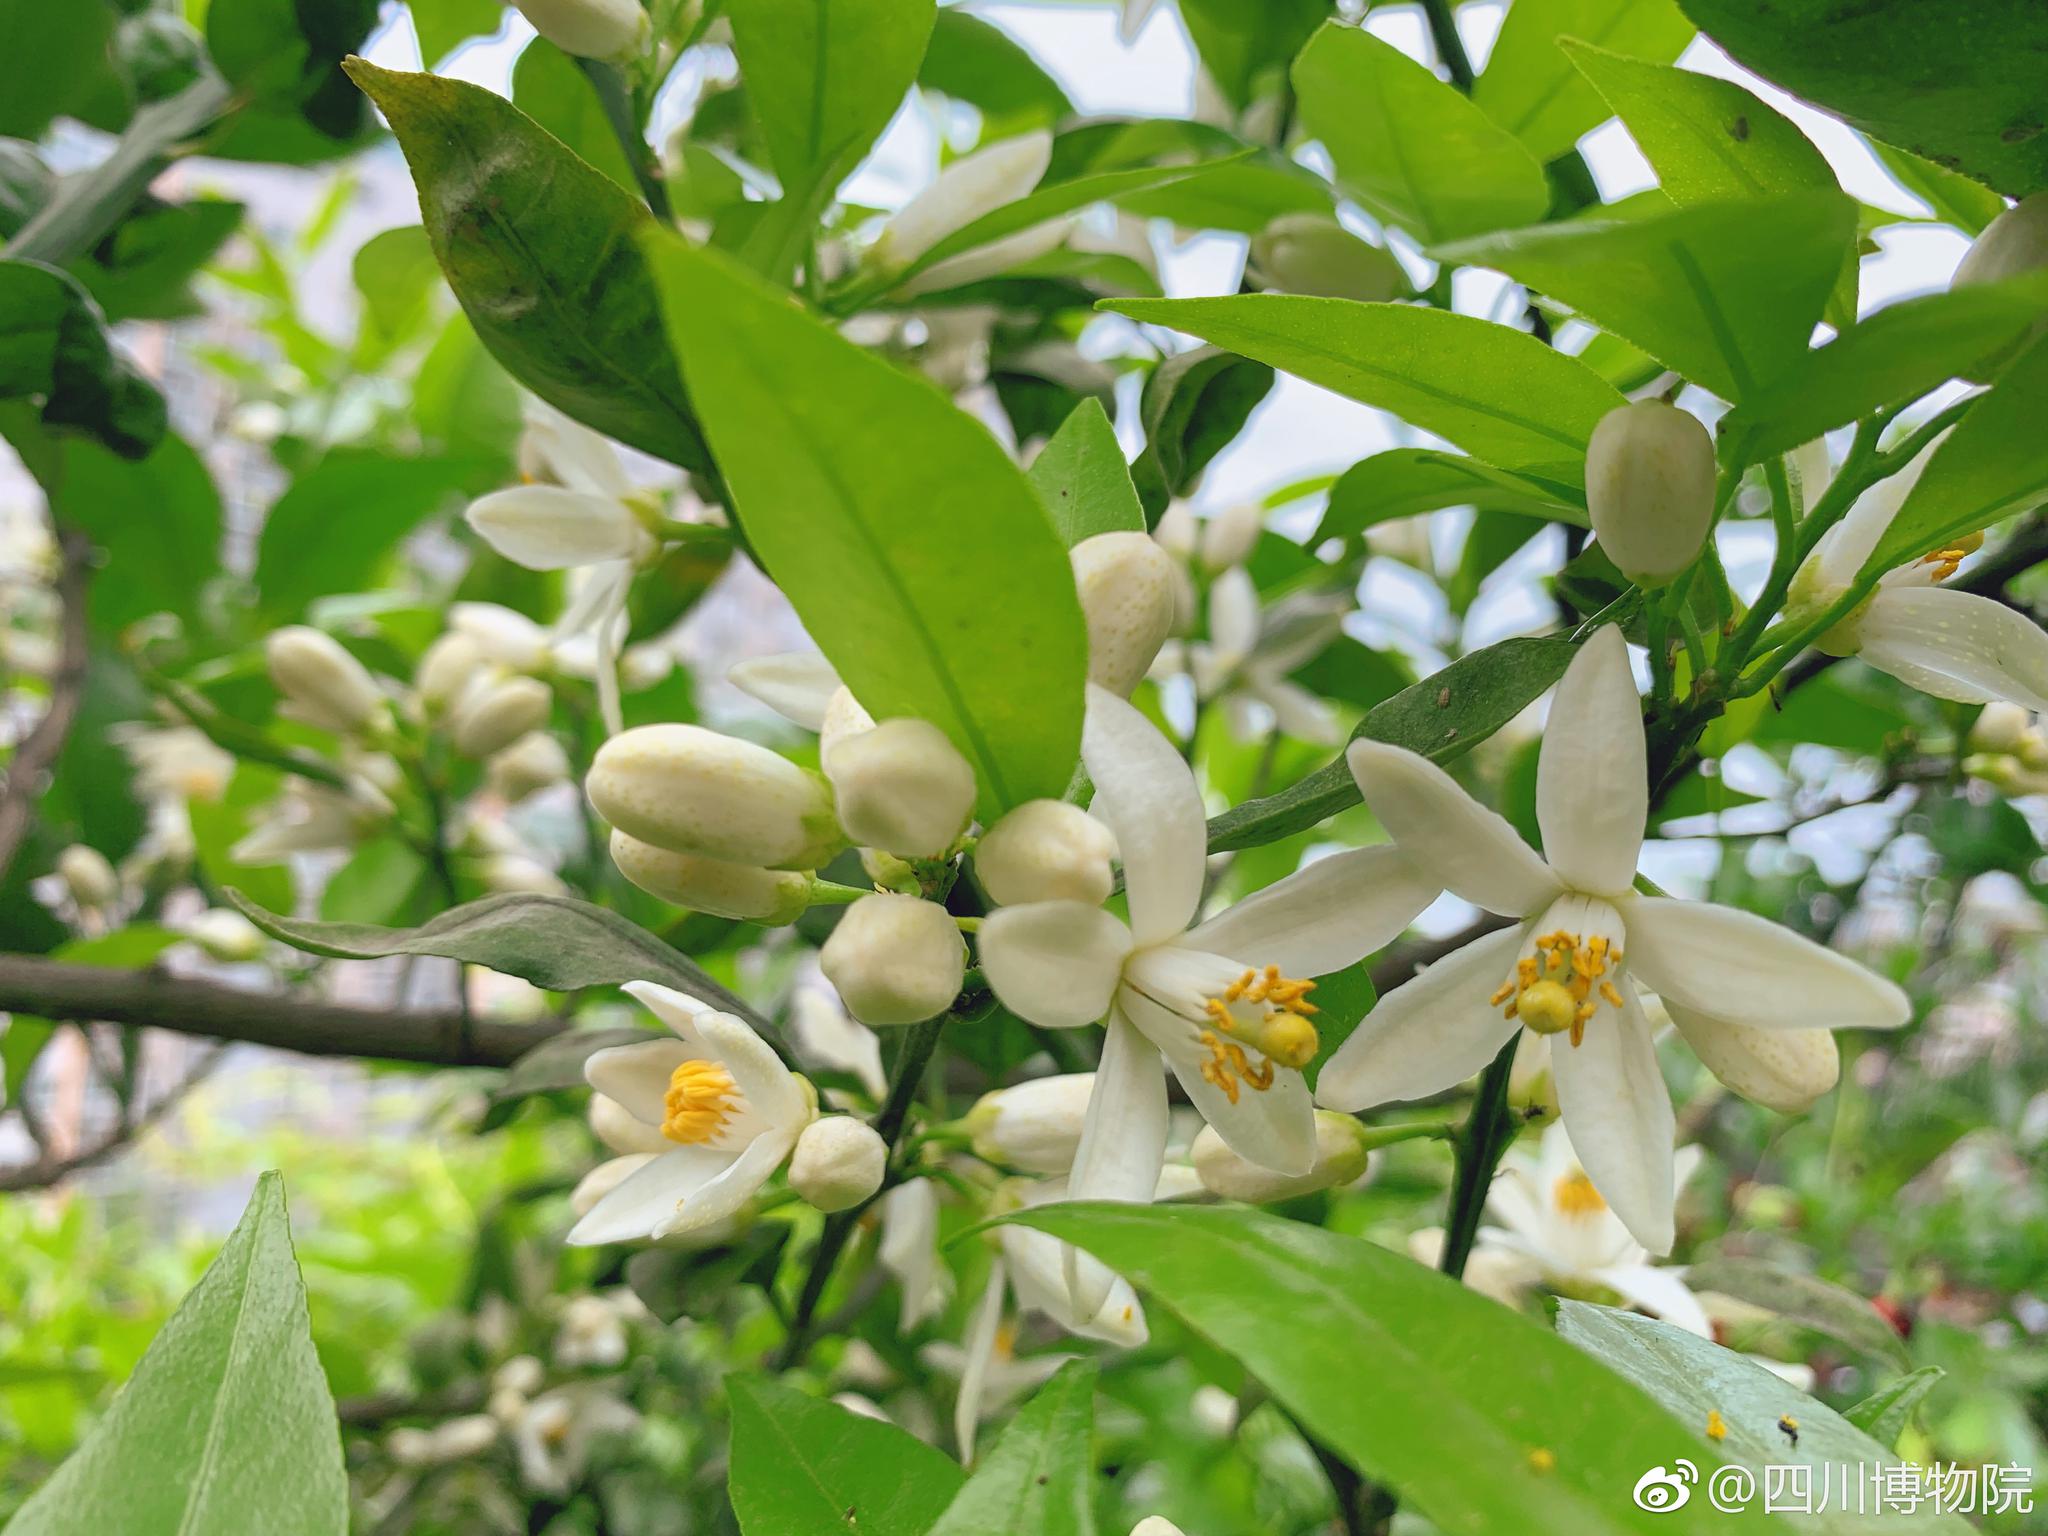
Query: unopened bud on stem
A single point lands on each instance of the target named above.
(692, 790)
(493, 715)
(1312, 253)
(744, 892)
(590, 29)
(901, 787)
(895, 959)
(1341, 1155)
(322, 683)
(1650, 489)
(1046, 850)
(1035, 1126)
(1127, 587)
(838, 1162)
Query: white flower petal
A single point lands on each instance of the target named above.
(909, 1250)
(971, 186)
(638, 1208)
(1612, 1096)
(1661, 1292)
(1428, 1034)
(822, 1033)
(1123, 1146)
(573, 455)
(1845, 547)
(1233, 617)
(1274, 1126)
(772, 1096)
(1956, 645)
(732, 1188)
(1592, 775)
(1146, 795)
(796, 684)
(1782, 1069)
(637, 1076)
(1453, 839)
(1324, 916)
(1747, 969)
(546, 528)
(1299, 713)
(1055, 963)
(980, 1351)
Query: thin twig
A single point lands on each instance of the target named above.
(38, 753)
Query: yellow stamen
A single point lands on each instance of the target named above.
(1574, 1195)
(1281, 1031)
(1560, 987)
(1228, 1068)
(701, 1098)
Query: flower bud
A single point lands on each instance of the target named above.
(1650, 489)
(2002, 727)
(590, 29)
(323, 685)
(895, 959)
(1046, 850)
(1128, 589)
(971, 186)
(843, 720)
(901, 787)
(691, 790)
(522, 1374)
(536, 761)
(1156, 1525)
(493, 715)
(1341, 1156)
(1230, 536)
(88, 876)
(447, 667)
(1312, 253)
(513, 872)
(1034, 1126)
(745, 892)
(2014, 242)
(838, 1162)
(226, 936)
(504, 635)
(464, 1438)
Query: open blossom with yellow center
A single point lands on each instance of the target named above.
(705, 1116)
(1224, 1003)
(1754, 1000)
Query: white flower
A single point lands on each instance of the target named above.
(586, 515)
(1954, 645)
(1341, 1158)
(727, 1107)
(1225, 1004)
(1129, 590)
(693, 790)
(1650, 489)
(825, 1037)
(1244, 663)
(176, 762)
(1046, 850)
(322, 684)
(973, 185)
(895, 959)
(909, 1250)
(1034, 1125)
(555, 1433)
(225, 935)
(839, 1162)
(88, 877)
(1735, 983)
(590, 29)
(593, 1333)
(309, 818)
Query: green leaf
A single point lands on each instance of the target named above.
(1415, 151)
(1989, 466)
(1819, 1304)
(1692, 1377)
(1529, 86)
(541, 251)
(144, 269)
(338, 521)
(442, 26)
(285, 59)
(1038, 1479)
(1193, 404)
(1457, 1382)
(826, 81)
(1081, 477)
(1725, 293)
(893, 558)
(1889, 360)
(1442, 717)
(1404, 482)
(1951, 198)
(800, 1466)
(54, 350)
(1885, 1414)
(55, 61)
(1246, 48)
(554, 942)
(548, 87)
(975, 61)
(226, 1425)
(1960, 86)
(1499, 394)
(397, 276)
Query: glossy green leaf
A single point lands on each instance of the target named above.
(894, 557)
(1991, 465)
(1081, 477)
(1246, 48)
(1192, 407)
(226, 1425)
(1415, 151)
(442, 26)
(1725, 293)
(1819, 1304)
(1885, 1414)
(800, 1466)
(1410, 1377)
(55, 351)
(1958, 85)
(1405, 482)
(1038, 1479)
(284, 58)
(1442, 717)
(548, 87)
(1889, 360)
(1500, 394)
(1950, 197)
(144, 269)
(975, 61)
(1529, 86)
(1692, 1377)
(55, 61)
(540, 250)
(554, 942)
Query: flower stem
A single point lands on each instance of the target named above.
(1487, 1132)
(615, 97)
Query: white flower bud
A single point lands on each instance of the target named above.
(513, 872)
(1156, 1525)
(536, 761)
(1650, 489)
(590, 29)
(463, 1438)
(493, 715)
(843, 719)
(1312, 253)
(990, 260)
(522, 1374)
(1230, 536)
(409, 1447)
(1341, 1157)
(1127, 584)
(504, 635)
(895, 959)
(88, 876)
(2014, 242)
(971, 186)
(322, 683)
(1046, 850)
(2002, 727)
(1034, 1126)
(745, 892)
(838, 1162)
(691, 790)
(226, 936)
(1177, 532)
(1781, 1069)
(901, 787)
(447, 667)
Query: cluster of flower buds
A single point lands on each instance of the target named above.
(482, 683)
(2009, 749)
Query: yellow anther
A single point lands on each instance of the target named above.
(1561, 985)
(1574, 1195)
(1610, 994)
(701, 1097)
(1546, 1007)
(1506, 991)
(1717, 1427)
